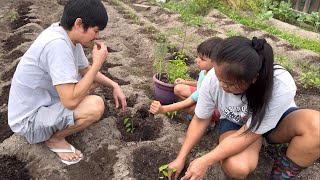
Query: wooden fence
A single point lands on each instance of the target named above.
(306, 6)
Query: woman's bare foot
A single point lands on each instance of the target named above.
(55, 143)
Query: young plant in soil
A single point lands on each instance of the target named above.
(171, 115)
(163, 171)
(13, 15)
(128, 124)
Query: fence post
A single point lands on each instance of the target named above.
(307, 6)
(316, 5)
(297, 5)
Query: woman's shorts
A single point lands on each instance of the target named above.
(226, 125)
(46, 121)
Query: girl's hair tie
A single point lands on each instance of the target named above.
(258, 44)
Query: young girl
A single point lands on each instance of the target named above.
(189, 90)
(255, 99)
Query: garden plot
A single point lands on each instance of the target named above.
(109, 151)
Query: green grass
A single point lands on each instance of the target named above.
(191, 11)
(283, 61)
(310, 75)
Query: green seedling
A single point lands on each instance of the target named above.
(128, 124)
(163, 171)
(13, 15)
(171, 115)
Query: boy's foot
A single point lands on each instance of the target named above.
(69, 154)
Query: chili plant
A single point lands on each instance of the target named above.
(171, 115)
(128, 124)
(163, 171)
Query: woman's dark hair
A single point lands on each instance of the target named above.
(244, 61)
(210, 47)
(92, 13)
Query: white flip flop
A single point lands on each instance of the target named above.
(72, 150)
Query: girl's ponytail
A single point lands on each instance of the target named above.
(259, 93)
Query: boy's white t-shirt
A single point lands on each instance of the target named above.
(234, 107)
(51, 60)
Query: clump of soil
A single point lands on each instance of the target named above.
(146, 127)
(5, 95)
(131, 101)
(147, 160)
(12, 168)
(7, 76)
(288, 47)
(5, 129)
(13, 41)
(100, 166)
(275, 39)
(248, 29)
(117, 80)
(228, 22)
(206, 32)
(14, 55)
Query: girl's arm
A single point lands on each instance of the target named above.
(194, 133)
(157, 108)
(231, 145)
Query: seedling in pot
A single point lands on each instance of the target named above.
(128, 124)
(163, 171)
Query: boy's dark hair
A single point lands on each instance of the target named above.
(92, 13)
(210, 47)
(244, 59)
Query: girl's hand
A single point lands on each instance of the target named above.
(197, 169)
(179, 81)
(155, 107)
(178, 165)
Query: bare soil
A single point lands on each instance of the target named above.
(110, 152)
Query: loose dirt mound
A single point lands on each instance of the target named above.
(12, 168)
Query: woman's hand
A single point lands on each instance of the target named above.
(197, 169)
(176, 165)
(179, 81)
(155, 107)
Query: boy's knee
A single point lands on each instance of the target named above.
(235, 169)
(178, 89)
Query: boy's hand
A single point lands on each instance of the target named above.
(179, 81)
(155, 107)
(118, 95)
(99, 53)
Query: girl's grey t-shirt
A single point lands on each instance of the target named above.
(51, 60)
(234, 107)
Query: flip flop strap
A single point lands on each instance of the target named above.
(72, 150)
